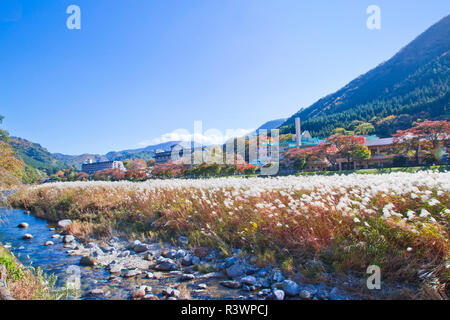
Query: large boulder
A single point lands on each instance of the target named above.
(140, 247)
(133, 244)
(278, 294)
(88, 261)
(64, 223)
(68, 238)
(290, 287)
(235, 271)
(166, 265)
(132, 273)
(249, 280)
(231, 284)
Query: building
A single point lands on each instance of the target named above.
(91, 168)
(275, 152)
(163, 157)
(185, 152)
(382, 152)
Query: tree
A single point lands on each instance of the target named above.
(299, 158)
(137, 164)
(432, 136)
(4, 136)
(342, 146)
(365, 128)
(360, 153)
(342, 131)
(169, 169)
(12, 168)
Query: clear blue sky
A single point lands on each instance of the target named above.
(138, 69)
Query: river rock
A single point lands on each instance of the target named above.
(202, 286)
(96, 252)
(183, 240)
(49, 243)
(277, 276)
(140, 293)
(235, 271)
(115, 268)
(64, 223)
(88, 261)
(180, 254)
(171, 292)
(278, 294)
(201, 252)
(322, 295)
(166, 265)
(187, 277)
(23, 225)
(141, 247)
(249, 280)
(169, 254)
(263, 282)
(306, 294)
(96, 292)
(124, 254)
(56, 236)
(107, 249)
(290, 287)
(230, 261)
(265, 292)
(27, 236)
(68, 238)
(133, 244)
(71, 246)
(262, 273)
(213, 275)
(132, 273)
(231, 284)
(187, 260)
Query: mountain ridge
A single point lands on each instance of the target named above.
(407, 83)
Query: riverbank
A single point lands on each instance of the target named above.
(18, 282)
(397, 221)
(119, 269)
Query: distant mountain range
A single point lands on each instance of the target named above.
(411, 85)
(273, 124)
(40, 158)
(146, 154)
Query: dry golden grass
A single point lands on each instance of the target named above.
(398, 221)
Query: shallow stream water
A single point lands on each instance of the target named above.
(55, 260)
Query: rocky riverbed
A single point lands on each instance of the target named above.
(120, 269)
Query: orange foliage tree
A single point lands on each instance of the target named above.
(432, 136)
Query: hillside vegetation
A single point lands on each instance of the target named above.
(36, 156)
(412, 85)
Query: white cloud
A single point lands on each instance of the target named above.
(209, 137)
